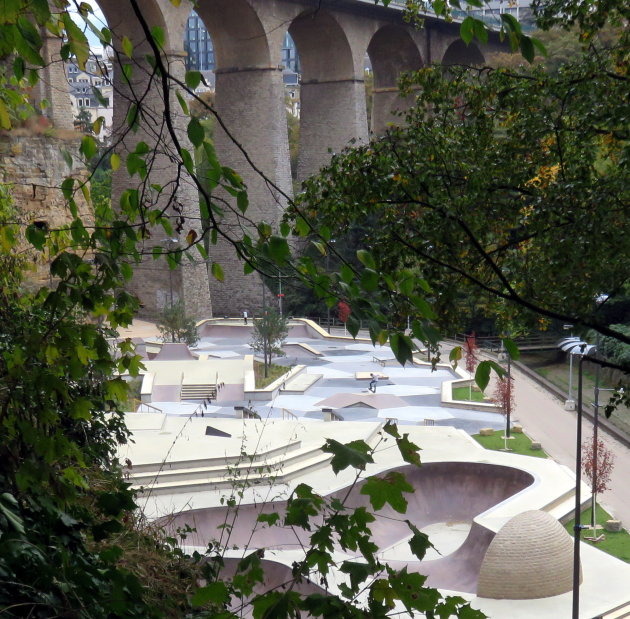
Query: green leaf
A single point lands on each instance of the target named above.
(182, 103)
(217, 271)
(402, 346)
(355, 454)
(157, 33)
(358, 572)
(279, 249)
(187, 160)
(481, 30)
(539, 45)
(127, 47)
(456, 354)
(196, 133)
(5, 119)
(242, 201)
(482, 375)
(466, 30)
(527, 48)
(88, 146)
(419, 542)
(115, 161)
(193, 79)
(387, 489)
(215, 592)
(369, 280)
(408, 450)
(67, 188)
(269, 519)
(512, 349)
(366, 259)
(7, 506)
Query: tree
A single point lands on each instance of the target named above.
(477, 192)
(470, 356)
(83, 121)
(343, 311)
(597, 465)
(268, 335)
(59, 399)
(176, 326)
(504, 397)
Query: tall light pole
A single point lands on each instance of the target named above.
(582, 349)
(170, 244)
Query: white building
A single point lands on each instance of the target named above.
(91, 90)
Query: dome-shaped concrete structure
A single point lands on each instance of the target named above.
(530, 557)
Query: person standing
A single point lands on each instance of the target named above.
(373, 381)
(245, 316)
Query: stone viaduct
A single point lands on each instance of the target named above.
(332, 39)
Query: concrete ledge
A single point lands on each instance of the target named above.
(270, 391)
(464, 381)
(147, 387)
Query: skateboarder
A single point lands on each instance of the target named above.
(373, 381)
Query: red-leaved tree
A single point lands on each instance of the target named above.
(470, 357)
(597, 465)
(504, 397)
(343, 311)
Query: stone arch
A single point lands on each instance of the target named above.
(238, 34)
(123, 23)
(460, 53)
(392, 51)
(323, 47)
(332, 88)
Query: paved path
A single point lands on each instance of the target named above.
(544, 419)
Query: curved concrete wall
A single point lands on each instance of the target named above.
(443, 492)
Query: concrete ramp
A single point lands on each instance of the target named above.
(443, 492)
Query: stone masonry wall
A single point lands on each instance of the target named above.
(33, 167)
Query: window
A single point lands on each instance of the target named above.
(79, 102)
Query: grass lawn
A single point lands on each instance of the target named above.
(275, 371)
(463, 393)
(520, 444)
(616, 544)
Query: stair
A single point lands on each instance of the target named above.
(275, 466)
(198, 392)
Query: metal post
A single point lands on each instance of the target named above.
(578, 482)
(595, 443)
(509, 399)
(280, 292)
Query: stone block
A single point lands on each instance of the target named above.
(613, 525)
(536, 445)
(486, 432)
(517, 429)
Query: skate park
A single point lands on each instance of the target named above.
(464, 496)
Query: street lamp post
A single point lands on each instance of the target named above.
(576, 346)
(170, 244)
(570, 345)
(577, 528)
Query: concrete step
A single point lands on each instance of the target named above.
(198, 392)
(236, 469)
(281, 475)
(222, 461)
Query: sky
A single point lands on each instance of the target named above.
(98, 19)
